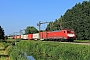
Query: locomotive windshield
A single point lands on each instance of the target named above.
(70, 32)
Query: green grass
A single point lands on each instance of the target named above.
(13, 52)
(13, 40)
(82, 41)
(55, 50)
(49, 50)
(2, 50)
(8, 49)
(4, 58)
(16, 54)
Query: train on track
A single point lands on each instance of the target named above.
(61, 35)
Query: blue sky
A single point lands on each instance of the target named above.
(18, 14)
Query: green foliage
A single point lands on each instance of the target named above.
(5, 45)
(31, 30)
(1, 33)
(16, 54)
(6, 37)
(52, 26)
(54, 50)
(76, 18)
(83, 41)
(80, 21)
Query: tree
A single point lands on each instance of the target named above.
(76, 18)
(50, 27)
(5, 37)
(56, 25)
(31, 30)
(1, 33)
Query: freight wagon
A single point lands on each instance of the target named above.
(36, 36)
(17, 37)
(24, 37)
(30, 36)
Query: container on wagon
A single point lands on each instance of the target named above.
(36, 36)
(18, 37)
(44, 35)
(24, 37)
(30, 36)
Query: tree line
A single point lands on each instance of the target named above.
(76, 18)
(1, 33)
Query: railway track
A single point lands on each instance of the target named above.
(83, 43)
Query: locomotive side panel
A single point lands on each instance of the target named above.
(56, 35)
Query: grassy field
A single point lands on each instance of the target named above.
(55, 50)
(3, 54)
(13, 52)
(17, 40)
(41, 50)
(8, 51)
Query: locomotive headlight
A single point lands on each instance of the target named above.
(71, 35)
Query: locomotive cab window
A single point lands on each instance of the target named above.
(68, 31)
(64, 31)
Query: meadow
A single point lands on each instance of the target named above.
(44, 50)
(54, 50)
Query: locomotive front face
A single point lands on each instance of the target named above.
(71, 34)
